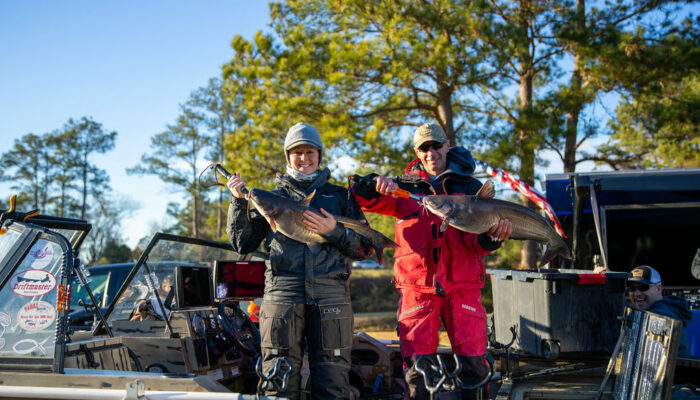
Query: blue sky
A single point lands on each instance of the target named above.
(127, 64)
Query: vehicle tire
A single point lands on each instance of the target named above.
(157, 368)
(135, 358)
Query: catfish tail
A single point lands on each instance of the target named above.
(378, 240)
(554, 250)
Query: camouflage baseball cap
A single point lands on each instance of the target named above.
(646, 275)
(431, 132)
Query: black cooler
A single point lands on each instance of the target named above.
(558, 311)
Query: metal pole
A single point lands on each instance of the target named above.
(98, 309)
(26, 392)
(598, 227)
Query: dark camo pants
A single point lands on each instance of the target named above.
(327, 331)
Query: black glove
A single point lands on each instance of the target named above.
(365, 186)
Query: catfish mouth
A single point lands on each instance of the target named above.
(256, 198)
(437, 208)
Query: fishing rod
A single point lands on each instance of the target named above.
(398, 193)
(217, 168)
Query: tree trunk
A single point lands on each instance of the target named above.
(219, 211)
(575, 107)
(445, 115)
(220, 208)
(44, 190)
(85, 186)
(528, 248)
(36, 186)
(195, 225)
(195, 208)
(62, 207)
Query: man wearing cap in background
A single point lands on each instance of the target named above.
(439, 273)
(644, 291)
(307, 296)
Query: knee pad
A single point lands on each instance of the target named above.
(474, 370)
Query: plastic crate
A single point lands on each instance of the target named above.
(558, 311)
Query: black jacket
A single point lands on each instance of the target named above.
(295, 272)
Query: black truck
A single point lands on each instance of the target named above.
(621, 219)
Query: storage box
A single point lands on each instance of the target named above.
(557, 311)
(98, 353)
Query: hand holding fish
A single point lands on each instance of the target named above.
(385, 185)
(236, 185)
(501, 231)
(321, 224)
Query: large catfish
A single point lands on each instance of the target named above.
(286, 215)
(478, 213)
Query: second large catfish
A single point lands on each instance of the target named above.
(478, 213)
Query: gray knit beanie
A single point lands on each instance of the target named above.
(302, 133)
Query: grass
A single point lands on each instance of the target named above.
(372, 291)
(384, 273)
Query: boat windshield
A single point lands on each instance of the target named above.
(156, 271)
(28, 298)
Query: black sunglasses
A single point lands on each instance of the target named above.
(427, 146)
(641, 287)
